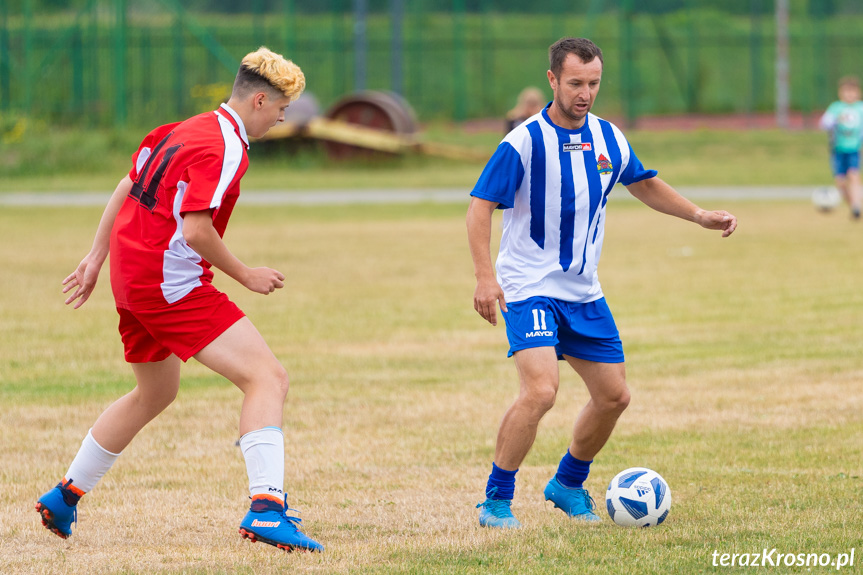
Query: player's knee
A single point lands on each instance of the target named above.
(541, 398)
(617, 402)
(281, 383)
(155, 401)
(270, 379)
(623, 399)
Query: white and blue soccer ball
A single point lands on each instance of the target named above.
(638, 497)
(826, 198)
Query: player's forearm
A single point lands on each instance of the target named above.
(660, 196)
(102, 240)
(199, 233)
(479, 240)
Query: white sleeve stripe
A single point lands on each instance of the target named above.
(624, 148)
(231, 161)
(143, 155)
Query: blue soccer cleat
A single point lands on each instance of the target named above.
(577, 502)
(268, 523)
(58, 509)
(497, 513)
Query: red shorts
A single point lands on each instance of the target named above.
(183, 328)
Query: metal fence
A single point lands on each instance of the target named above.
(138, 62)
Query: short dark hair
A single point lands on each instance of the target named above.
(581, 47)
(249, 80)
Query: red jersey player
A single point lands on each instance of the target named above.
(163, 228)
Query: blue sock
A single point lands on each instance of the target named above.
(572, 472)
(501, 483)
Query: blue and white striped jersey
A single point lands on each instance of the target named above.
(553, 185)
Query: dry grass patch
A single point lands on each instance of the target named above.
(743, 357)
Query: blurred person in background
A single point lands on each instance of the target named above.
(530, 101)
(843, 120)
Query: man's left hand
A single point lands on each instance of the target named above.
(717, 220)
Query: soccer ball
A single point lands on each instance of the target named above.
(638, 497)
(826, 199)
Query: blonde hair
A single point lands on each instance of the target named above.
(849, 81)
(265, 67)
(530, 101)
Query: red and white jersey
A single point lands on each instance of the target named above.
(184, 167)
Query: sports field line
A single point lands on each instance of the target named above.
(392, 196)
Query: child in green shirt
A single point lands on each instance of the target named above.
(844, 121)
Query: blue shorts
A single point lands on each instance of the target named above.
(583, 330)
(842, 162)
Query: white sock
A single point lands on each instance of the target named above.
(264, 450)
(91, 463)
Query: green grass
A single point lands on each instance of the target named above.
(742, 356)
(71, 160)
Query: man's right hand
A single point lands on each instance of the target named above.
(486, 297)
(82, 280)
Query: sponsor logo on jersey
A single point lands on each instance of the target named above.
(539, 334)
(577, 147)
(257, 523)
(603, 164)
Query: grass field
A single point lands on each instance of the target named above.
(743, 359)
(71, 160)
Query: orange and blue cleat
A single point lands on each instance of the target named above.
(268, 522)
(58, 508)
